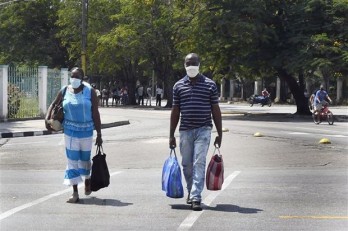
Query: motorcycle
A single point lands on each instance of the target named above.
(256, 99)
(323, 114)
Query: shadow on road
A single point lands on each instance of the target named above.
(233, 209)
(103, 202)
(220, 207)
(181, 207)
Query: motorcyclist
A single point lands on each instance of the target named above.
(265, 93)
(319, 99)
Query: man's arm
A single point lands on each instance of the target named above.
(216, 112)
(174, 120)
(328, 97)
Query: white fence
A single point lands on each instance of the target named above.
(42, 93)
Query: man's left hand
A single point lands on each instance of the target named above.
(217, 142)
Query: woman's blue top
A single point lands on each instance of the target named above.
(78, 110)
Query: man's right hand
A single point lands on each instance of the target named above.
(172, 142)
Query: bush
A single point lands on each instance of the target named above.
(14, 99)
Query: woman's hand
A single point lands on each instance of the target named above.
(99, 140)
(48, 125)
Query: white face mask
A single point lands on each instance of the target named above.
(75, 83)
(192, 71)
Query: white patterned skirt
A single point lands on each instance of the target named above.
(78, 146)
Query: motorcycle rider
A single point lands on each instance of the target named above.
(265, 93)
(319, 99)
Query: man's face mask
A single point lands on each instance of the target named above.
(75, 82)
(192, 71)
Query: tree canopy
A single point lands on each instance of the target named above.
(128, 40)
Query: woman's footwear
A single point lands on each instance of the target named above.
(74, 198)
(88, 190)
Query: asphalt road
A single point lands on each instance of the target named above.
(283, 180)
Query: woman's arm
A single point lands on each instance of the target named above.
(96, 117)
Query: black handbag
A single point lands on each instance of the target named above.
(100, 177)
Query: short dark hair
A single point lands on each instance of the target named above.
(80, 72)
(192, 59)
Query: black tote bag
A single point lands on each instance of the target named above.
(100, 177)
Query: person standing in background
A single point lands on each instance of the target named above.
(159, 92)
(149, 95)
(105, 97)
(81, 117)
(196, 99)
(140, 93)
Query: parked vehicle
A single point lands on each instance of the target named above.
(323, 114)
(256, 99)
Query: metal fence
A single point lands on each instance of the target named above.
(54, 82)
(23, 100)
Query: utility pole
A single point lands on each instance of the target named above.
(84, 35)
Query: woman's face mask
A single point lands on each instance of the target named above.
(75, 82)
(192, 71)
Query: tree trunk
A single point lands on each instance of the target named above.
(297, 92)
(164, 73)
(129, 73)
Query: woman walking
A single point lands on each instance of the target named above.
(81, 117)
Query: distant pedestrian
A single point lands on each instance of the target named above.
(81, 117)
(105, 97)
(115, 96)
(159, 93)
(140, 93)
(124, 92)
(149, 95)
(196, 99)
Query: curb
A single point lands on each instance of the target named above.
(46, 132)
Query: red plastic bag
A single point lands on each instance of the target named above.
(215, 172)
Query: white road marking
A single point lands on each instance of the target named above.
(40, 200)
(338, 136)
(299, 133)
(193, 216)
(27, 143)
(158, 140)
(305, 133)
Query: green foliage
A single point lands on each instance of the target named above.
(13, 100)
(128, 39)
(28, 33)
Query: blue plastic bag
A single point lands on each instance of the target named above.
(171, 177)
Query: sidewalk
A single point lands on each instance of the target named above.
(237, 111)
(37, 127)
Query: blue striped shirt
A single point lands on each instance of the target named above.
(195, 101)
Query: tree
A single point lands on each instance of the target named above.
(28, 34)
(273, 37)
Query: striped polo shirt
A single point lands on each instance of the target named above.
(195, 101)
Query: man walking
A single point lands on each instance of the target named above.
(195, 97)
